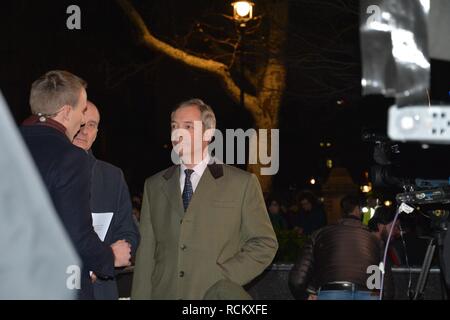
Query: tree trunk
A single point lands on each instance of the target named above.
(269, 103)
(270, 95)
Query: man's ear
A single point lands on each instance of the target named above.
(66, 112)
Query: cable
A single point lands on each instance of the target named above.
(406, 260)
(386, 250)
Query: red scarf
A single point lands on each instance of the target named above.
(47, 122)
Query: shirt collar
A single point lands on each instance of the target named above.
(200, 167)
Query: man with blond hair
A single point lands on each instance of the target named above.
(58, 103)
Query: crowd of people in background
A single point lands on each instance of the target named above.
(304, 214)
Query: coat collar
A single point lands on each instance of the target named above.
(215, 169)
(43, 121)
(206, 188)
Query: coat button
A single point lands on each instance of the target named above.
(183, 247)
(181, 274)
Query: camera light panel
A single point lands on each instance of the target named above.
(429, 124)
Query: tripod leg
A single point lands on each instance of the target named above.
(423, 277)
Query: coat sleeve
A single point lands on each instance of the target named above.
(125, 227)
(259, 242)
(301, 273)
(143, 269)
(71, 198)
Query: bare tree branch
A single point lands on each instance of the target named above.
(217, 68)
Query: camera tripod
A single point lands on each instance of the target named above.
(436, 240)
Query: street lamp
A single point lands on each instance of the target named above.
(242, 12)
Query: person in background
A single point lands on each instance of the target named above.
(109, 194)
(381, 224)
(308, 214)
(351, 207)
(334, 261)
(276, 215)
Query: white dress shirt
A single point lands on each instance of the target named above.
(196, 175)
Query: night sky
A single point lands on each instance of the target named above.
(135, 88)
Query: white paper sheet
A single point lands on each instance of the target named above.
(101, 222)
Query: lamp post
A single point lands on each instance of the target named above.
(242, 13)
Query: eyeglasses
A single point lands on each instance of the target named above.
(90, 126)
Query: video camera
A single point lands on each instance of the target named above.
(398, 40)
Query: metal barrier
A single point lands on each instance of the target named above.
(273, 283)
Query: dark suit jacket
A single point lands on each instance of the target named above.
(109, 193)
(65, 171)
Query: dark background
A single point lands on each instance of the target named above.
(135, 88)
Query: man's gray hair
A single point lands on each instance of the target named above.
(207, 113)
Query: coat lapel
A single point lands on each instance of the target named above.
(206, 188)
(172, 190)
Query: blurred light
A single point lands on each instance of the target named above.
(372, 212)
(312, 181)
(243, 8)
(329, 163)
(407, 123)
(366, 188)
(365, 209)
(322, 144)
(328, 144)
(242, 11)
(388, 203)
(340, 102)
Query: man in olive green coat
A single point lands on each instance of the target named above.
(201, 221)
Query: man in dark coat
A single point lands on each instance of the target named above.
(58, 103)
(36, 250)
(334, 263)
(109, 194)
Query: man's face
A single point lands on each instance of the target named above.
(357, 212)
(187, 118)
(76, 116)
(274, 207)
(88, 132)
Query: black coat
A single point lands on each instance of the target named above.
(109, 193)
(66, 173)
(338, 252)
